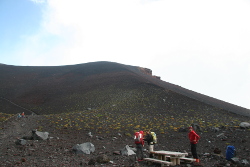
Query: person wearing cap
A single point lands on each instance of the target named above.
(149, 139)
(194, 138)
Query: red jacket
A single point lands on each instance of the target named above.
(193, 137)
(141, 138)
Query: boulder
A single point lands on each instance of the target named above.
(127, 151)
(37, 135)
(244, 125)
(85, 148)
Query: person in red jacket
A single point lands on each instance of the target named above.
(22, 115)
(139, 144)
(194, 138)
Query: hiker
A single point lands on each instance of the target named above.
(149, 139)
(22, 114)
(138, 138)
(194, 138)
(19, 115)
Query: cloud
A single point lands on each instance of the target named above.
(145, 30)
(188, 29)
(188, 43)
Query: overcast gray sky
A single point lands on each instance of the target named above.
(201, 45)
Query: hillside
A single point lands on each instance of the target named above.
(97, 85)
(111, 101)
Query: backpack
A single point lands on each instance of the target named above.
(154, 137)
(138, 138)
(230, 152)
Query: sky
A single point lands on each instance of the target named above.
(201, 45)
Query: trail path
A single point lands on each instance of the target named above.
(27, 111)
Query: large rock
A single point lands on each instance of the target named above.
(127, 151)
(37, 135)
(244, 125)
(85, 148)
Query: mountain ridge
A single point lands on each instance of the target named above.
(34, 86)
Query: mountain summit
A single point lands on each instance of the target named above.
(98, 85)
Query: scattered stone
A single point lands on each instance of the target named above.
(222, 136)
(37, 135)
(90, 135)
(116, 153)
(102, 159)
(127, 151)
(244, 125)
(236, 160)
(215, 129)
(99, 138)
(245, 162)
(85, 148)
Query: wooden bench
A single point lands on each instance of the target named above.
(167, 163)
(188, 159)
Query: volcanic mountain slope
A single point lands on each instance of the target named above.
(111, 101)
(98, 85)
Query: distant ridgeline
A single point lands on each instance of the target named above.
(104, 86)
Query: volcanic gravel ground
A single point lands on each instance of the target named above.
(57, 150)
